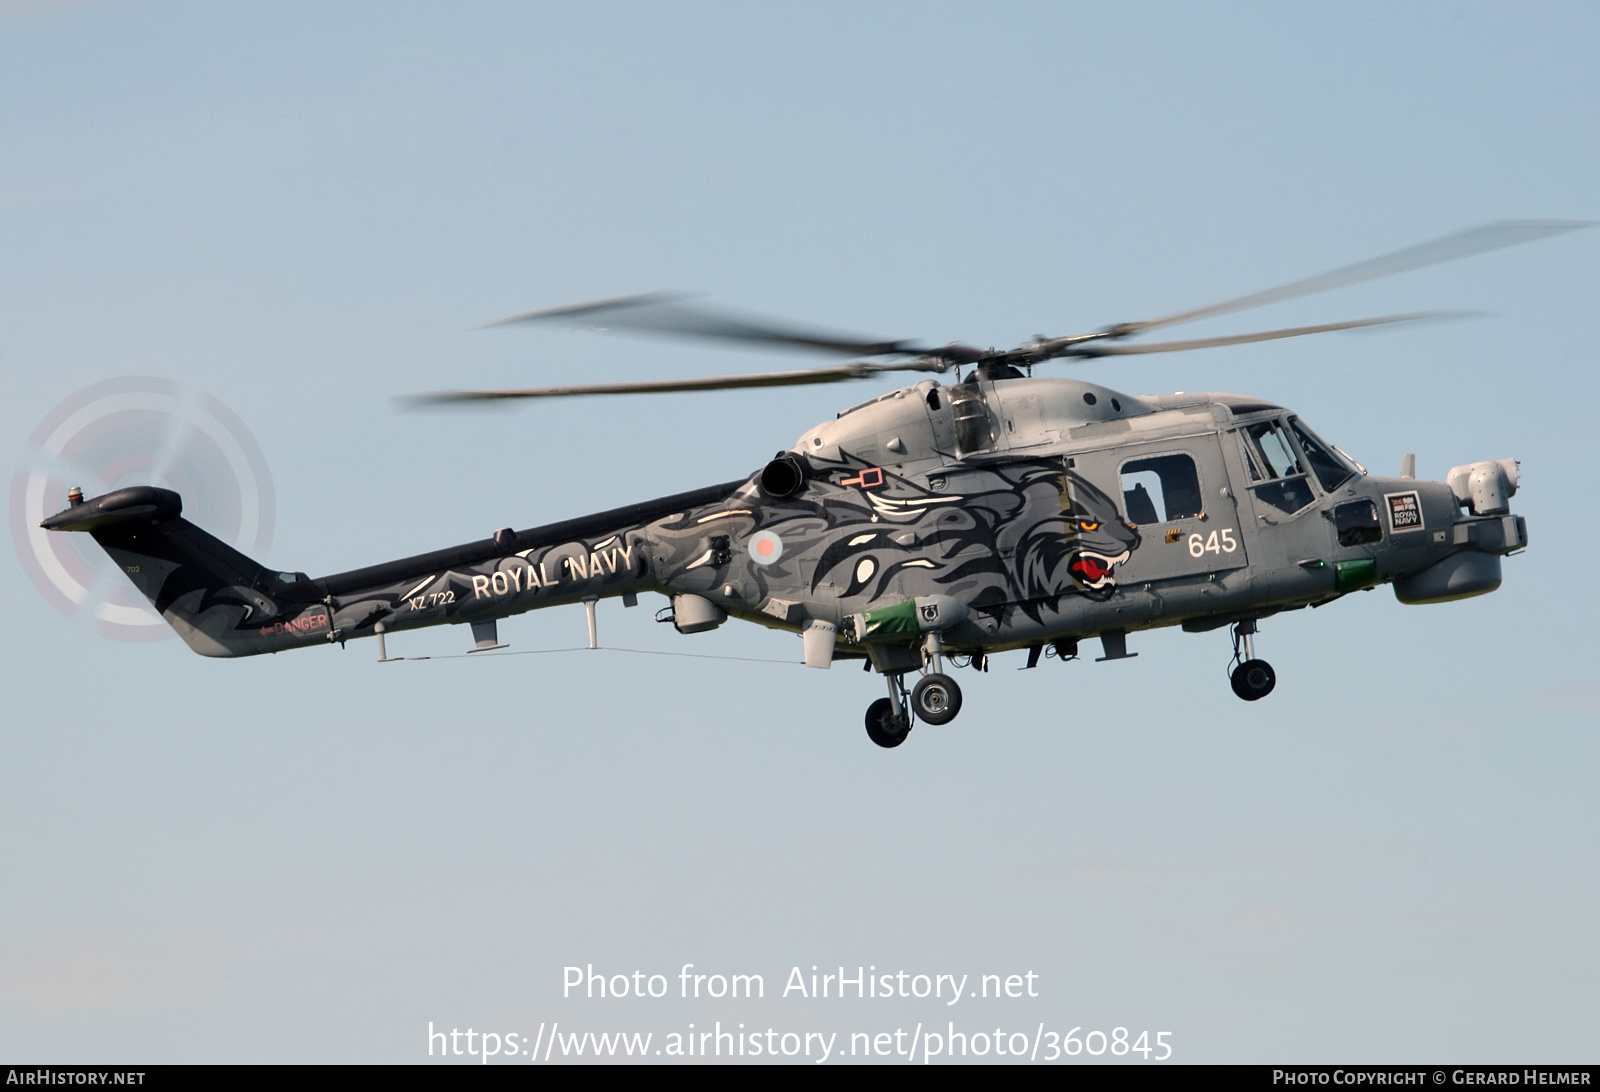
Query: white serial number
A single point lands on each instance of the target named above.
(1218, 542)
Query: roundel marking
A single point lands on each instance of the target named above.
(765, 548)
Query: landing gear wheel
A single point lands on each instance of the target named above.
(1253, 679)
(936, 699)
(883, 727)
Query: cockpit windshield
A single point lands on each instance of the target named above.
(1283, 455)
(1272, 455)
(1326, 462)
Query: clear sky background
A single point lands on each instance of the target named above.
(305, 209)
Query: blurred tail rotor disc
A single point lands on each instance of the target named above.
(135, 430)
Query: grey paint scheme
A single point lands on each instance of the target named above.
(1016, 513)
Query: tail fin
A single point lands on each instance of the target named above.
(218, 600)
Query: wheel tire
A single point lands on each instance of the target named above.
(1253, 679)
(936, 699)
(883, 727)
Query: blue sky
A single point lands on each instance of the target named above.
(306, 210)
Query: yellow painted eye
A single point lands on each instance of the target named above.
(1086, 525)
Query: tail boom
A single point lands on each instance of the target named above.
(224, 604)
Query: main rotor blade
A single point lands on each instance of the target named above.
(836, 374)
(669, 313)
(1094, 349)
(1463, 244)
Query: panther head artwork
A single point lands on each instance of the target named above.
(1033, 532)
(1084, 541)
(1098, 538)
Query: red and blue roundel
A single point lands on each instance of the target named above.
(765, 547)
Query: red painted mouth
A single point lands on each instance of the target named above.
(1089, 569)
(1093, 571)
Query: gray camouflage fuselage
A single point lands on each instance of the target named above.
(1039, 509)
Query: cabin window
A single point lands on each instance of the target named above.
(1161, 489)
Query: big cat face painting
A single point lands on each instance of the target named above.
(1097, 537)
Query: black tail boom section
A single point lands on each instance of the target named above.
(225, 604)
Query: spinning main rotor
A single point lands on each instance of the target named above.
(672, 314)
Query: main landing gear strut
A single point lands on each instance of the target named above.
(936, 699)
(1252, 679)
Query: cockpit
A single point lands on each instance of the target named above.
(1283, 455)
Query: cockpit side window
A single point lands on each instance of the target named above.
(1331, 470)
(1277, 476)
(1271, 446)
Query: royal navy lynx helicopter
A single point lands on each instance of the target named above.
(938, 523)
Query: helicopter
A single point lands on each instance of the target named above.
(932, 525)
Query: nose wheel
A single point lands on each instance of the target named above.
(1252, 679)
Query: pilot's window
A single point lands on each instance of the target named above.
(1357, 523)
(1331, 470)
(1273, 453)
(1161, 489)
(1272, 460)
